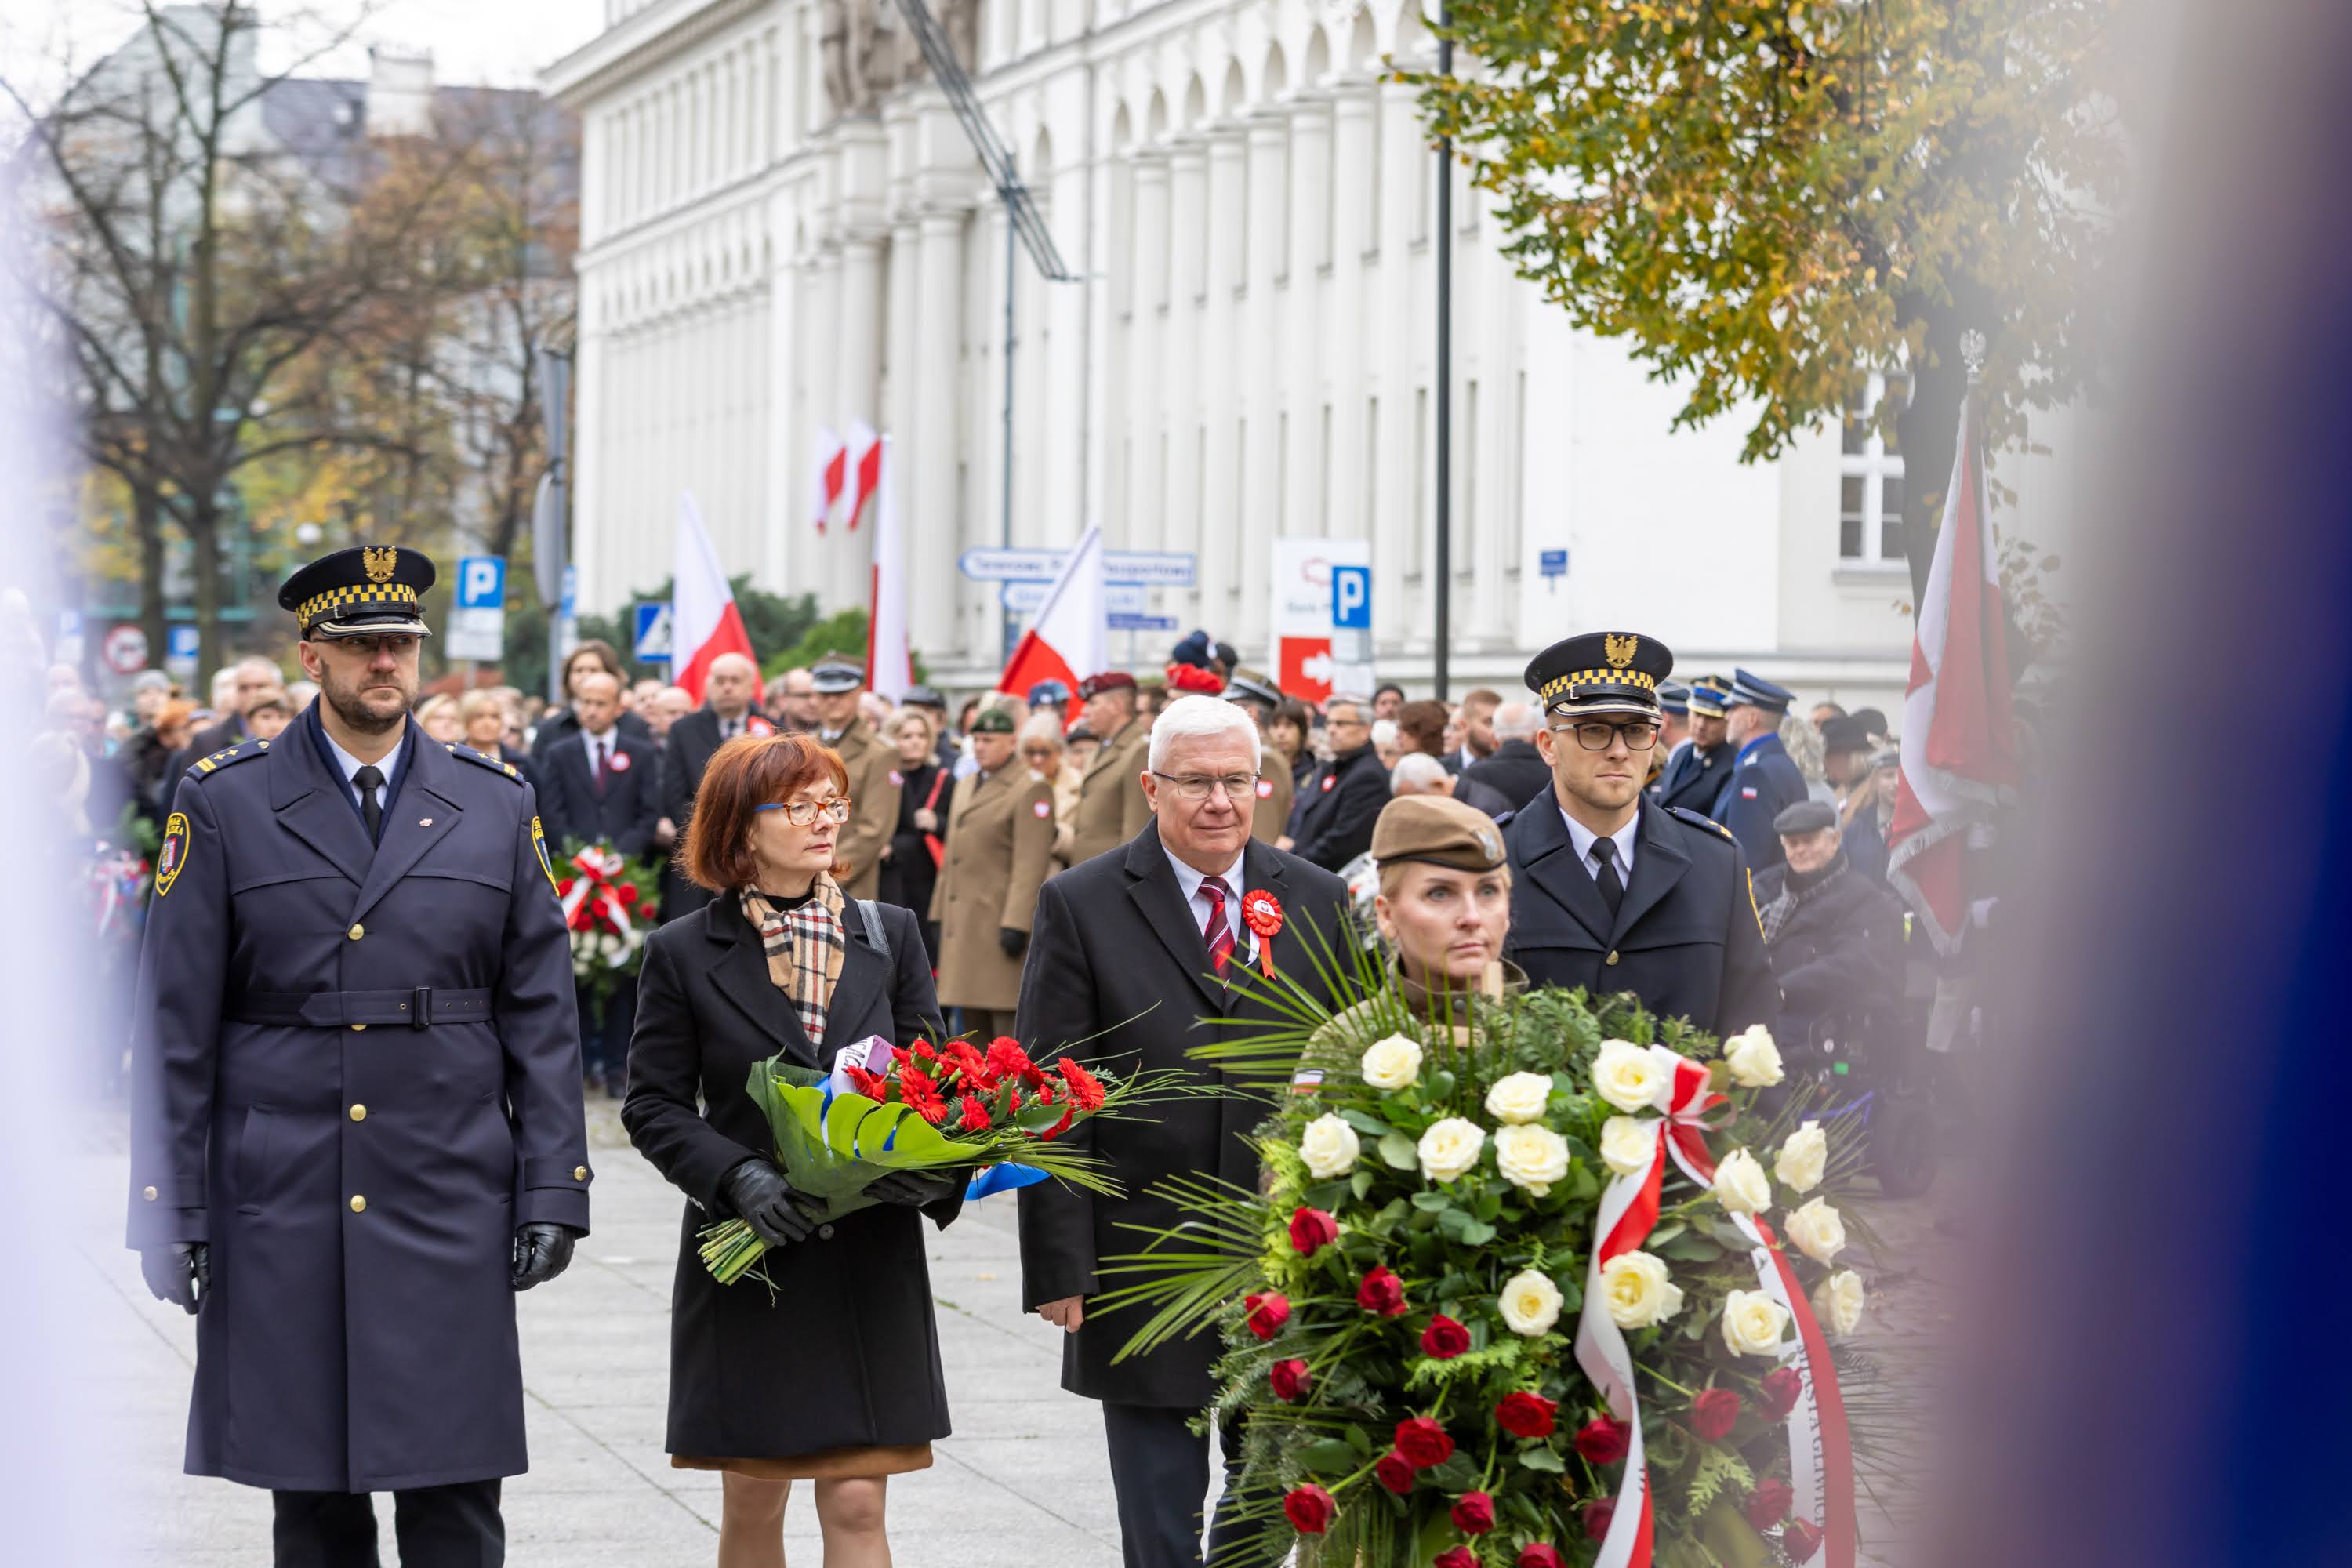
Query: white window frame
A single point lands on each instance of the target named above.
(1873, 465)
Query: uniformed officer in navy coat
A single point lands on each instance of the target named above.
(1696, 768)
(1764, 780)
(357, 1128)
(1610, 890)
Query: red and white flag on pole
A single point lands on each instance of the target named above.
(828, 472)
(1070, 639)
(889, 664)
(1960, 751)
(704, 621)
(865, 456)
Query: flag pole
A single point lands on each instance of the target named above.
(1442, 590)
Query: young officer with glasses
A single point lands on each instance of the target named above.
(1610, 890)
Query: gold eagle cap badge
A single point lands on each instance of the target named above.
(379, 563)
(1620, 649)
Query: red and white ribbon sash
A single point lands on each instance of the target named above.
(1820, 1454)
(596, 868)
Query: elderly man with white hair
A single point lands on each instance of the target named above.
(1515, 770)
(1136, 957)
(1419, 772)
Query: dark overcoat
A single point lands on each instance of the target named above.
(1115, 950)
(1693, 778)
(1763, 781)
(1685, 941)
(1517, 770)
(1332, 823)
(624, 814)
(1838, 953)
(845, 1351)
(359, 1180)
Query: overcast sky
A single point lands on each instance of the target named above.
(499, 42)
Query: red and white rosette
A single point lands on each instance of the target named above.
(1262, 913)
(1820, 1457)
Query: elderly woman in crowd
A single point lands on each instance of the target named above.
(1045, 755)
(910, 858)
(999, 849)
(486, 721)
(832, 1376)
(438, 717)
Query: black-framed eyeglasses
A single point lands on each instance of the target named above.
(1199, 786)
(803, 812)
(1594, 735)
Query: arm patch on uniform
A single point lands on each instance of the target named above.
(173, 854)
(539, 844)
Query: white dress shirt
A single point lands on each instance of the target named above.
(351, 766)
(1584, 838)
(1198, 903)
(610, 741)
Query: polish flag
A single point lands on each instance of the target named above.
(1070, 639)
(704, 621)
(866, 448)
(889, 666)
(828, 471)
(1960, 750)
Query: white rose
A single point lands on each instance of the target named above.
(1754, 1060)
(1518, 1097)
(1740, 1185)
(1626, 1144)
(1629, 1077)
(1803, 1158)
(1329, 1147)
(1638, 1291)
(1752, 1322)
(1838, 1300)
(1529, 1303)
(1392, 1064)
(1817, 1230)
(1531, 1157)
(1450, 1147)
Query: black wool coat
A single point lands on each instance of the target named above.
(623, 816)
(1838, 954)
(1114, 949)
(1516, 770)
(1332, 823)
(845, 1352)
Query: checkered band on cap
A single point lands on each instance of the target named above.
(318, 605)
(1564, 686)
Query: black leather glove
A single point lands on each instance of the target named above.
(180, 1272)
(542, 1249)
(758, 1192)
(1014, 942)
(914, 1189)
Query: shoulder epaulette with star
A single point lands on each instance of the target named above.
(1697, 820)
(243, 752)
(496, 764)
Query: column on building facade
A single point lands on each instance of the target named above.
(1310, 155)
(1180, 332)
(590, 424)
(787, 439)
(1218, 349)
(928, 506)
(1261, 370)
(1134, 526)
(1347, 352)
(856, 392)
(1070, 414)
(1397, 354)
(901, 373)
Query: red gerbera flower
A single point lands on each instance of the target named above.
(922, 1096)
(871, 1084)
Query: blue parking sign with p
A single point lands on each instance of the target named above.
(481, 582)
(1351, 598)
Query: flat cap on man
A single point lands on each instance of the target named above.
(1103, 680)
(836, 676)
(366, 591)
(1749, 690)
(1600, 672)
(1439, 830)
(923, 697)
(1708, 693)
(1247, 685)
(1808, 815)
(1845, 734)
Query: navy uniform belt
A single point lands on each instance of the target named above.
(419, 1009)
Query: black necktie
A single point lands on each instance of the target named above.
(370, 781)
(1613, 887)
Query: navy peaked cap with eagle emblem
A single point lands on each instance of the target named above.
(1600, 672)
(369, 590)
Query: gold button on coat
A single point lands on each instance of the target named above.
(359, 1114)
(358, 1204)
(579, 1172)
(356, 932)
(357, 1028)
(1611, 957)
(150, 1194)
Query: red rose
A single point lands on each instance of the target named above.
(1267, 1313)
(1474, 1513)
(1308, 1509)
(1604, 1440)
(1443, 1339)
(1801, 1538)
(1394, 1471)
(649, 909)
(1597, 1515)
(563, 888)
(626, 892)
(1525, 1415)
(1454, 1557)
(1424, 1442)
(1540, 1557)
(1381, 1292)
(1783, 1386)
(1768, 1505)
(1290, 1380)
(1311, 1230)
(1714, 1413)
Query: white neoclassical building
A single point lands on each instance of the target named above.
(783, 228)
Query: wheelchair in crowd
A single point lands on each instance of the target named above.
(1869, 1071)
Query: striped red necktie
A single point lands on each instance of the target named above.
(1219, 930)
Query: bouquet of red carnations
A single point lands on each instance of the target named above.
(948, 1107)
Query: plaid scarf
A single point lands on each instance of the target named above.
(806, 948)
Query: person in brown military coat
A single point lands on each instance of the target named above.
(1000, 849)
(872, 764)
(1111, 806)
(1276, 790)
